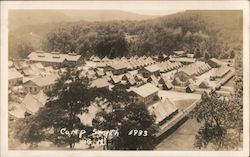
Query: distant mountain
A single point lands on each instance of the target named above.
(19, 18)
(104, 15)
(32, 26)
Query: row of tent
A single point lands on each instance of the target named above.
(196, 69)
(30, 104)
(34, 69)
(132, 63)
(168, 66)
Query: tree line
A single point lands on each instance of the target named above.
(189, 32)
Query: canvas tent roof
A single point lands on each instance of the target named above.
(105, 58)
(41, 97)
(118, 66)
(162, 109)
(190, 87)
(31, 103)
(100, 83)
(204, 84)
(14, 74)
(17, 110)
(44, 81)
(115, 79)
(152, 68)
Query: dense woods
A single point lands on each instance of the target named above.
(203, 33)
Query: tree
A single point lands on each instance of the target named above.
(24, 49)
(69, 98)
(214, 112)
(237, 97)
(207, 56)
(126, 116)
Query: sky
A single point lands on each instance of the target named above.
(155, 12)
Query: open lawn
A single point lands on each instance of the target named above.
(174, 96)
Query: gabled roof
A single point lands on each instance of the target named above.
(44, 81)
(162, 109)
(55, 57)
(46, 57)
(152, 68)
(14, 74)
(145, 90)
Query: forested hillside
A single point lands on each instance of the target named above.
(210, 33)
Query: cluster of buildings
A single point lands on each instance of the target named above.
(30, 79)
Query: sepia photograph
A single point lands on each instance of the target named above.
(125, 78)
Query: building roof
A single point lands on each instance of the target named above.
(45, 57)
(183, 60)
(179, 52)
(54, 57)
(17, 110)
(44, 81)
(162, 109)
(14, 74)
(222, 71)
(100, 83)
(145, 90)
(152, 68)
(71, 57)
